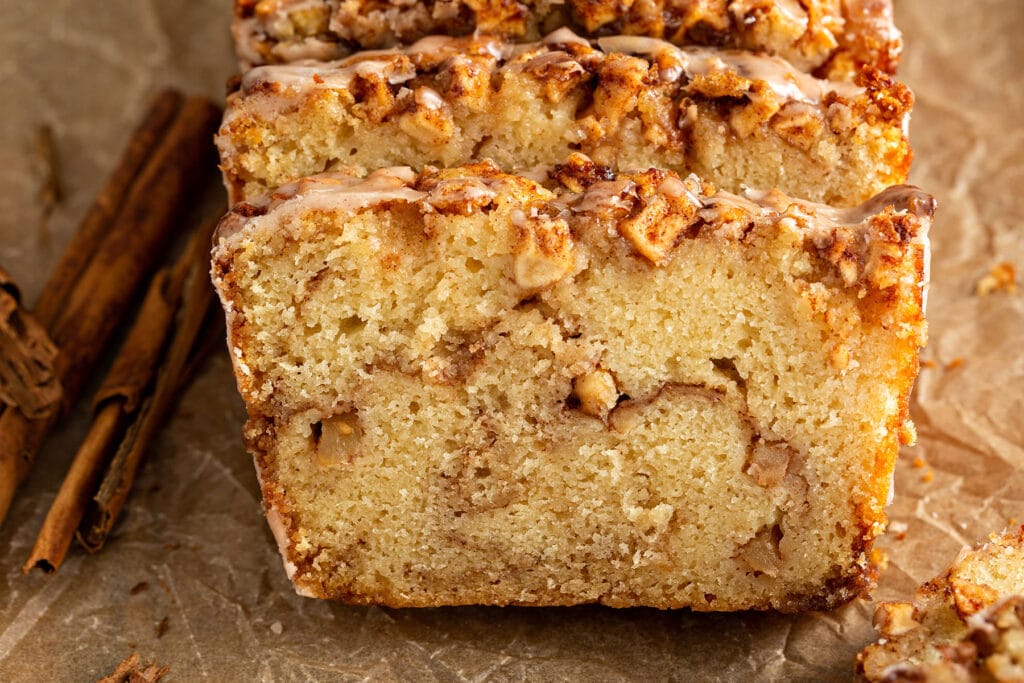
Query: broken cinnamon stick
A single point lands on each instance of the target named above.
(179, 358)
(141, 147)
(127, 253)
(132, 670)
(116, 401)
(27, 377)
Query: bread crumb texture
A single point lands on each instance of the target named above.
(469, 387)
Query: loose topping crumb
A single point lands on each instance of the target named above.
(1001, 278)
(650, 231)
(543, 254)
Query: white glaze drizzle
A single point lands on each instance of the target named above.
(346, 193)
(429, 98)
(606, 194)
(783, 78)
(328, 192)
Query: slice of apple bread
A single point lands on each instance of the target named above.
(469, 387)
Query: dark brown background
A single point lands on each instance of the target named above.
(193, 529)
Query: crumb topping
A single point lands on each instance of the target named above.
(835, 38)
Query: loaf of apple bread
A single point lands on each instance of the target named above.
(835, 37)
(471, 387)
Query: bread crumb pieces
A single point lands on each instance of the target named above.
(919, 462)
(964, 625)
(50, 192)
(1001, 278)
(928, 476)
(955, 363)
(880, 558)
(928, 363)
(899, 530)
(908, 433)
(277, 628)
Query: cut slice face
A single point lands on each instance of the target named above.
(471, 387)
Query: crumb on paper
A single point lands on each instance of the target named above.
(139, 587)
(162, 627)
(955, 363)
(45, 149)
(919, 462)
(1001, 278)
(928, 476)
(132, 670)
(880, 558)
(960, 626)
(908, 433)
(928, 363)
(277, 628)
(899, 530)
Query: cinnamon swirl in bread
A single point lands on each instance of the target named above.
(471, 387)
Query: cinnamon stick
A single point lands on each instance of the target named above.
(20, 435)
(136, 240)
(132, 670)
(143, 143)
(27, 378)
(126, 255)
(115, 402)
(179, 359)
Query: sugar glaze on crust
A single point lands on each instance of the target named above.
(588, 189)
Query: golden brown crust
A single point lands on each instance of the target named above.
(836, 37)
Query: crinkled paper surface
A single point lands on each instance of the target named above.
(192, 546)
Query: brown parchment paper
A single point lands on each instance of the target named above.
(192, 546)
